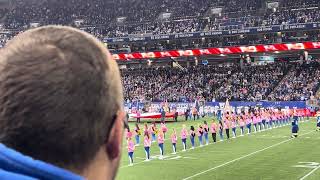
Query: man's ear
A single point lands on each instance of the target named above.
(114, 143)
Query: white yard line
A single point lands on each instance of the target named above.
(131, 166)
(242, 157)
(314, 170)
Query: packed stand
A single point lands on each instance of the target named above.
(300, 84)
(251, 83)
(145, 84)
(221, 82)
(197, 82)
(142, 17)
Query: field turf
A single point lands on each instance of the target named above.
(270, 154)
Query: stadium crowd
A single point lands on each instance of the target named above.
(147, 83)
(143, 17)
(251, 83)
(128, 18)
(196, 82)
(275, 81)
(301, 83)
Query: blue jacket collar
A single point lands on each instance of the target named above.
(15, 166)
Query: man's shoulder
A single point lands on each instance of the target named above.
(5, 175)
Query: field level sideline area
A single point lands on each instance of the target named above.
(270, 154)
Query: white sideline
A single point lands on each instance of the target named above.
(242, 157)
(314, 170)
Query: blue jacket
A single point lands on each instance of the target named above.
(15, 166)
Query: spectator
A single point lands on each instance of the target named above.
(61, 103)
(221, 82)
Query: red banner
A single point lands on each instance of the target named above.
(219, 51)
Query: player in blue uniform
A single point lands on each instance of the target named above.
(295, 129)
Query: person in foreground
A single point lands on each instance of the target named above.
(61, 114)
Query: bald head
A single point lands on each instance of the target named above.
(60, 93)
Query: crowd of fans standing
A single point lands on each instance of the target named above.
(275, 82)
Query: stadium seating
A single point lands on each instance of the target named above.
(301, 83)
(276, 81)
(142, 17)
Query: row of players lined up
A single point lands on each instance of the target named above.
(258, 120)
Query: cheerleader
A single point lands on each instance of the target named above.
(263, 118)
(137, 134)
(272, 120)
(147, 145)
(200, 135)
(220, 126)
(164, 129)
(192, 136)
(174, 141)
(283, 118)
(318, 121)
(254, 120)
(268, 119)
(130, 147)
(206, 132)
(289, 116)
(146, 129)
(234, 127)
(248, 122)
(286, 118)
(160, 143)
(154, 131)
(259, 120)
(226, 126)
(277, 118)
(128, 133)
(241, 124)
(213, 130)
(184, 135)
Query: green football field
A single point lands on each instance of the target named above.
(269, 154)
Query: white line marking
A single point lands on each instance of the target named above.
(140, 158)
(174, 158)
(189, 158)
(242, 157)
(314, 170)
(311, 165)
